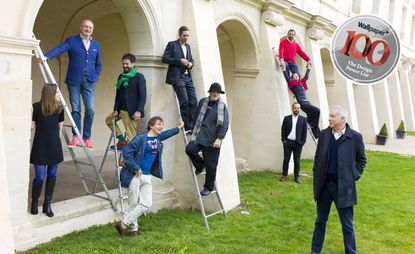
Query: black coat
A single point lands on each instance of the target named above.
(300, 129)
(351, 162)
(136, 96)
(172, 56)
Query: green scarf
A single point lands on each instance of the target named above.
(125, 77)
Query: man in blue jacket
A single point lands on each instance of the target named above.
(143, 158)
(179, 58)
(83, 71)
(210, 129)
(130, 98)
(338, 163)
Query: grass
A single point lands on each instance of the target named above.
(410, 133)
(281, 219)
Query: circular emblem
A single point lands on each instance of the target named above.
(365, 49)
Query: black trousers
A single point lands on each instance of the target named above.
(312, 112)
(291, 146)
(209, 161)
(186, 94)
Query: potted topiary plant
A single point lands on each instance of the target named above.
(382, 137)
(400, 132)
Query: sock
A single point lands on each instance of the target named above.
(121, 138)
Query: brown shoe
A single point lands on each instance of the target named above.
(283, 178)
(297, 179)
(134, 233)
(119, 228)
(121, 144)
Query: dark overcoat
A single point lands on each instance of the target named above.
(351, 162)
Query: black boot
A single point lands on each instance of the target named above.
(36, 190)
(50, 186)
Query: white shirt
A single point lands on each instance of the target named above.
(292, 136)
(87, 42)
(184, 50)
(337, 135)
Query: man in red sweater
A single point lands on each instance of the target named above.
(287, 51)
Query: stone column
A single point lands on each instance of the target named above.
(317, 87)
(341, 93)
(395, 93)
(407, 99)
(383, 105)
(367, 114)
(16, 101)
(6, 234)
(205, 49)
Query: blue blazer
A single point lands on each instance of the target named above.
(134, 154)
(81, 61)
(172, 56)
(136, 95)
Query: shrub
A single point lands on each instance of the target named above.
(401, 126)
(383, 131)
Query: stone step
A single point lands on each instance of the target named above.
(83, 212)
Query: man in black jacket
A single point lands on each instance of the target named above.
(130, 98)
(338, 163)
(293, 137)
(210, 129)
(179, 58)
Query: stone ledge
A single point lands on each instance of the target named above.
(81, 213)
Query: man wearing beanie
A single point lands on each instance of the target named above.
(209, 130)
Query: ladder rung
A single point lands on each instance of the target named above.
(209, 215)
(90, 179)
(83, 163)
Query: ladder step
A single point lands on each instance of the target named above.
(209, 215)
(83, 163)
(90, 179)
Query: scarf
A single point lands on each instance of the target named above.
(125, 77)
(201, 116)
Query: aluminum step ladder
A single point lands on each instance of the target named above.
(49, 78)
(118, 153)
(196, 182)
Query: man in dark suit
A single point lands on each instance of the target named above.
(83, 71)
(179, 58)
(338, 163)
(130, 98)
(293, 137)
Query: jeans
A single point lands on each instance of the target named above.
(327, 196)
(209, 160)
(140, 194)
(186, 95)
(87, 90)
(292, 67)
(40, 172)
(291, 146)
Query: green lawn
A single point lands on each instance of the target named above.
(410, 133)
(281, 219)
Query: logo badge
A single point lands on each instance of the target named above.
(365, 49)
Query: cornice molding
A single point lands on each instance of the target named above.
(273, 18)
(150, 61)
(17, 45)
(245, 73)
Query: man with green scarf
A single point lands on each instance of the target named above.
(130, 98)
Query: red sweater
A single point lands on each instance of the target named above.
(301, 82)
(288, 50)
